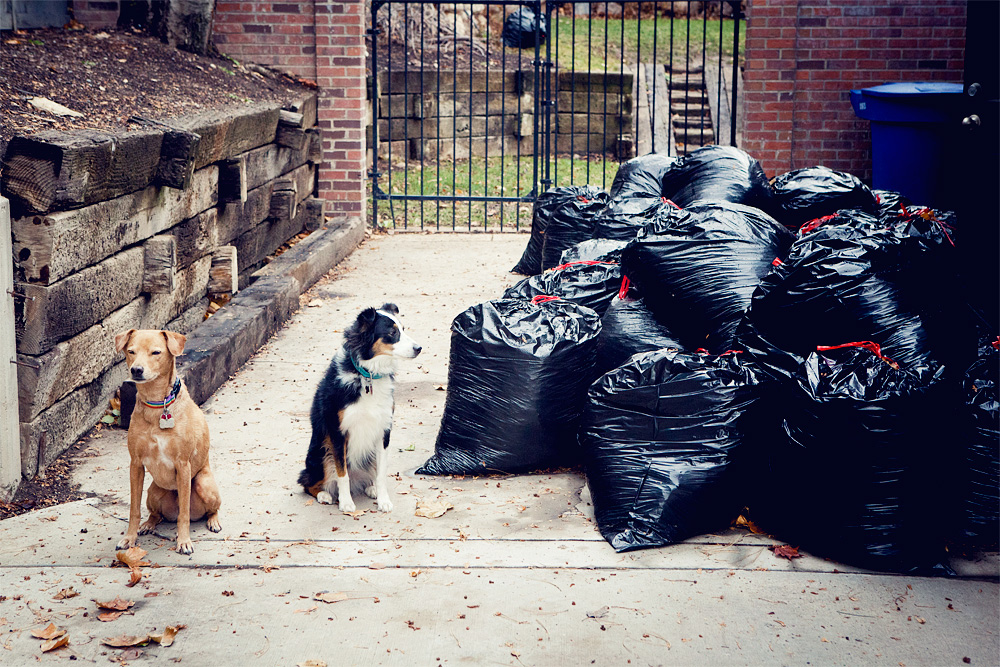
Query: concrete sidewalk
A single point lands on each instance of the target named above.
(515, 574)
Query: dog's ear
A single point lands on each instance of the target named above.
(175, 342)
(121, 340)
(366, 319)
(390, 308)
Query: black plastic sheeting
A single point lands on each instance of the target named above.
(517, 383)
(545, 206)
(890, 203)
(981, 502)
(599, 250)
(588, 283)
(855, 468)
(842, 283)
(628, 327)
(519, 29)
(698, 272)
(658, 439)
(804, 194)
(641, 176)
(570, 223)
(717, 173)
(623, 218)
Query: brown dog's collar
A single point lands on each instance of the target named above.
(168, 400)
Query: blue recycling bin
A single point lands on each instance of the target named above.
(914, 128)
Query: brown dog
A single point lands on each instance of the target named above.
(168, 437)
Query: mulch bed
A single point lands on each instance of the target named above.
(111, 75)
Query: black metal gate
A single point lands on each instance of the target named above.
(465, 131)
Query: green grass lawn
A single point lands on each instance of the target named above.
(480, 177)
(582, 43)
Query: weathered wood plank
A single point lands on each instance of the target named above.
(314, 149)
(235, 218)
(159, 264)
(196, 237)
(59, 170)
(283, 204)
(392, 83)
(10, 450)
(291, 137)
(51, 247)
(223, 277)
(233, 179)
(308, 106)
(314, 212)
(257, 243)
(52, 432)
(581, 102)
(288, 118)
(76, 302)
(177, 153)
(47, 378)
(269, 162)
(226, 133)
(597, 82)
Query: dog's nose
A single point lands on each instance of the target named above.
(416, 350)
(137, 372)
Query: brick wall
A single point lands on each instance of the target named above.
(803, 56)
(323, 41)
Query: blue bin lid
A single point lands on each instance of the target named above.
(908, 102)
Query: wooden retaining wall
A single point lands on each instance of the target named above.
(431, 115)
(138, 230)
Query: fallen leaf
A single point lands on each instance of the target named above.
(133, 558)
(115, 605)
(600, 613)
(65, 594)
(307, 610)
(109, 616)
(824, 639)
(432, 509)
(124, 641)
(45, 104)
(312, 663)
(330, 598)
(920, 620)
(167, 637)
(53, 644)
(51, 632)
(786, 551)
(415, 573)
(743, 522)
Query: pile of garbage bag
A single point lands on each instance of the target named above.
(705, 343)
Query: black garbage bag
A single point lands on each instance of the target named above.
(517, 384)
(658, 438)
(641, 176)
(805, 194)
(865, 222)
(545, 206)
(981, 501)
(717, 173)
(519, 29)
(855, 469)
(588, 283)
(623, 218)
(570, 223)
(844, 283)
(928, 226)
(628, 328)
(698, 271)
(890, 203)
(599, 250)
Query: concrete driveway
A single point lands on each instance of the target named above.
(514, 574)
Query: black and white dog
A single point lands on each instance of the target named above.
(352, 412)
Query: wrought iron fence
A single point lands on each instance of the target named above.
(465, 131)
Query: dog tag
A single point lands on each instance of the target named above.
(366, 383)
(166, 420)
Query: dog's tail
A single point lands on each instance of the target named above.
(314, 471)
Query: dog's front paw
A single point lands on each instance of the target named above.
(324, 498)
(148, 527)
(347, 505)
(371, 491)
(384, 504)
(185, 547)
(128, 542)
(213, 523)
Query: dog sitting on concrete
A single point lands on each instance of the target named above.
(352, 412)
(168, 437)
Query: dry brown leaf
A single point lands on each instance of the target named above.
(109, 616)
(53, 644)
(51, 632)
(133, 558)
(330, 598)
(167, 637)
(115, 605)
(786, 551)
(124, 641)
(416, 573)
(307, 610)
(65, 594)
(743, 522)
(312, 663)
(432, 509)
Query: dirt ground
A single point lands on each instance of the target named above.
(111, 75)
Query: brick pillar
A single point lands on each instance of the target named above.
(341, 75)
